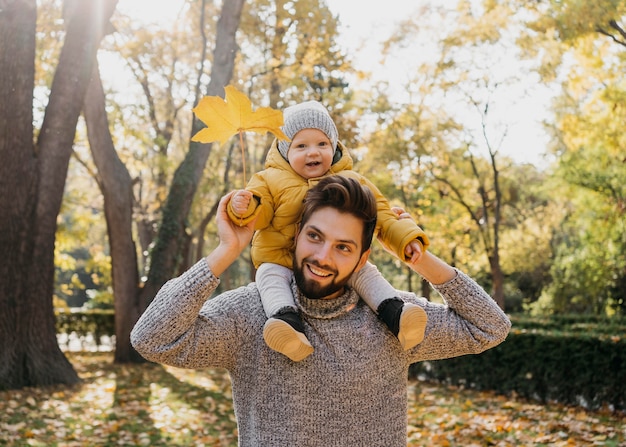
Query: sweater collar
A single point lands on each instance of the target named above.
(325, 309)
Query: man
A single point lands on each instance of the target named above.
(352, 391)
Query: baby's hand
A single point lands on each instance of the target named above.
(240, 201)
(400, 213)
(413, 251)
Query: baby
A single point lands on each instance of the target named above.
(274, 197)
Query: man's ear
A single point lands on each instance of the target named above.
(364, 257)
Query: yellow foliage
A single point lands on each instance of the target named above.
(233, 114)
(59, 303)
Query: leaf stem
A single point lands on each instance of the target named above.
(243, 158)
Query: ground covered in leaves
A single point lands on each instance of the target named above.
(151, 405)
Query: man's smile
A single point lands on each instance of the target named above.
(318, 272)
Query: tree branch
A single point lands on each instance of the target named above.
(617, 28)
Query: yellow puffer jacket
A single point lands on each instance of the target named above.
(279, 192)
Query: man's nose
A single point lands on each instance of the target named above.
(323, 253)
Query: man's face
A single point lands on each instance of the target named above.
(328, 251)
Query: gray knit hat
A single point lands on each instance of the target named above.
(307, 115)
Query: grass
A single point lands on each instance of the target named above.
(152, 405)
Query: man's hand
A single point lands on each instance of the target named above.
(233, 239)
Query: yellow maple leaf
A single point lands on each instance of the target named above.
(234, 115)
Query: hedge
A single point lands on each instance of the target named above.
(586, 368)
(571, 324)
(82, 323)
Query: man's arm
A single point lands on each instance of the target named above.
(433, 269)
(468, 323)
(176, 329)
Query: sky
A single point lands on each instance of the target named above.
(525, 140)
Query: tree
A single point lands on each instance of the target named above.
(172, 246)
(405, 136)
(171, 239)
(589, 269)
(33, 179)
(466, 166)
(571, 20)
(130, 297)
(146, 119)
(116, 186)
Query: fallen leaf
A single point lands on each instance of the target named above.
(162, 406)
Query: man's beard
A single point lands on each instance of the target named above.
(312, 289)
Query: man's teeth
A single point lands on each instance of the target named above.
(318, 272)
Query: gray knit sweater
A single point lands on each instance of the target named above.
(352, 391)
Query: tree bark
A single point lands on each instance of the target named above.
(18, 181)
(116, 185)
(497, 277)
(30, 354)
(167, 254)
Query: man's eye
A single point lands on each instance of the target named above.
(345, 248)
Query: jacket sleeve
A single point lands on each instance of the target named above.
(261, 206)
(395, 233)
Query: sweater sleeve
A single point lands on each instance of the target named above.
(181, 328)
(469, 322)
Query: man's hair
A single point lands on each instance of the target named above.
(346, 195)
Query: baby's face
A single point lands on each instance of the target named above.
(310, 153)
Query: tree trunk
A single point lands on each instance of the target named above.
(166, 256)
(116, 186)
(18, 182)
(31, 355)
(498, 280)
(426, 289)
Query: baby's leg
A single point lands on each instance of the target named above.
(284, 330)
(407, 321)
(274, 284)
